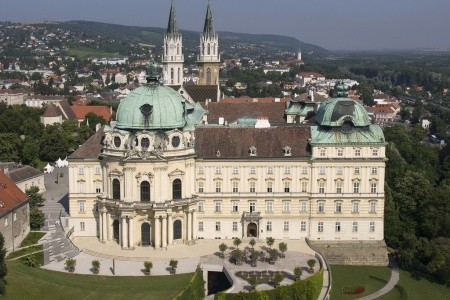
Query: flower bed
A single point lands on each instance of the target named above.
(353, 290)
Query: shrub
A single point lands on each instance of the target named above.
(70, 264)
(253, 282)
(95, 266)
(278, 278)
(222, 248)
(173, 264)
(237, 256)
(311, 264)
(283, 248)
(30, 261)
(148, 265)
(196, 288)
(252, 243)
(273, 254)
(270, 241)
(298, 272)
(237, 242)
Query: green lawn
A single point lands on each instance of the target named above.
(83, 52)
(35, 283)
(32, 238)
(417, 289)
(346, 276)
(25, 251)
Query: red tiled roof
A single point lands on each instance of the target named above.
(235, 142)
(52, 111)
(10, 195)
(82, 111)
(253, 110)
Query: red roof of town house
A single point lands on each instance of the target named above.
(259, 100)
(382, 109)
(10, 195)
(102, 111)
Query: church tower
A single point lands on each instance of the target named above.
(209, 58)
(173, 57)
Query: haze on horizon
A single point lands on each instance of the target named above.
(334, 25)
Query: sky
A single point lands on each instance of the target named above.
(332, 24)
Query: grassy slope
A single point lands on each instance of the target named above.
(44, 284)
(83, 52)
(25, 251)
(418, 289)
(357, 275)
(32, 238)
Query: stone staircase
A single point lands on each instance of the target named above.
(370, 253)
(56, 245)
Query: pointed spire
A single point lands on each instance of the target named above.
(208, 29)
(172, 27)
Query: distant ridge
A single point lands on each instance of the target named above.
(266, 43)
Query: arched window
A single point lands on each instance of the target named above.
(171, 74)
(209, 49)
(177, 230)
(176, 189)
(145, 191)
(179, 75)
(208, 76)
(178, 49)
(116, 189)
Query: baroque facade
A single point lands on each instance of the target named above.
(159, 175)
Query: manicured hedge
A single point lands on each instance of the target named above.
(307, 289)
(195, 289)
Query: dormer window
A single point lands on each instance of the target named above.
(176, 141)
(218, 153)
(252, 151)
(145, 143)
(287, 151)
(146, 109)
(117, 141)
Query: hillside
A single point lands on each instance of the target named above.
(230, 43)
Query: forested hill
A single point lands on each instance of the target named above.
(229, 42)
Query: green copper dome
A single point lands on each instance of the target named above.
(151, 107)
(336, 111)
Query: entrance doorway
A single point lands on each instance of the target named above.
(177, 230)
(145, 234)
(116, 230)
(252, 230)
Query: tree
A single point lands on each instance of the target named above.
(173, 266)
(252, 243)
(9, 147)
(95, 266)
(222, 248)
(3, 267)
(298, 272)
(37, 218)
(34, 197)
(254, 257)
(70, 264)
(273, 255)
(237, 256)
(278, 278)
(270, 241)
(311, 263)
(148, 265)
(94, 119)
(283, 248)
(365, 91)
(54, 144)
(253, 283)
(237, 242)
(30, 151)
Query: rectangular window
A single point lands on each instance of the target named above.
(200, 186)
(218, 186)
(286, 226)
(322, 153)
(373, 207)
(320, 227)
(235, 185)
(286, 206)
(337, 227)
(357, 152)
(340, 152)
(201, 206)
(269, 206)
(355, 207)
(338, 207)
(304, 170)
(81, 207)
(217, 206)
(270, 170)
(14, 216)
(303, 226)
(339, 185)
(321, 206)
(356, 170)
(356, 187)
(200, 226)
(6, 222)
(201, 170)
(339, 171)
(217, 226)
(235, 206)
(235, 170)
(303, 206)
(355, 227)
(217, 170)
(98, 170)
(81, 170)
(321, 185)
(287, 169)
(372, 226)
(321, 170)
(82, 226)
(252, 206)
(235, 226)
(98, 187)
(269, 186)
(304, 186)
(81, 185)
(252, 170)
(375, 152)
(373, 187)
(287, 186)
(374, 170)
(252, 187)
(269, 226)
